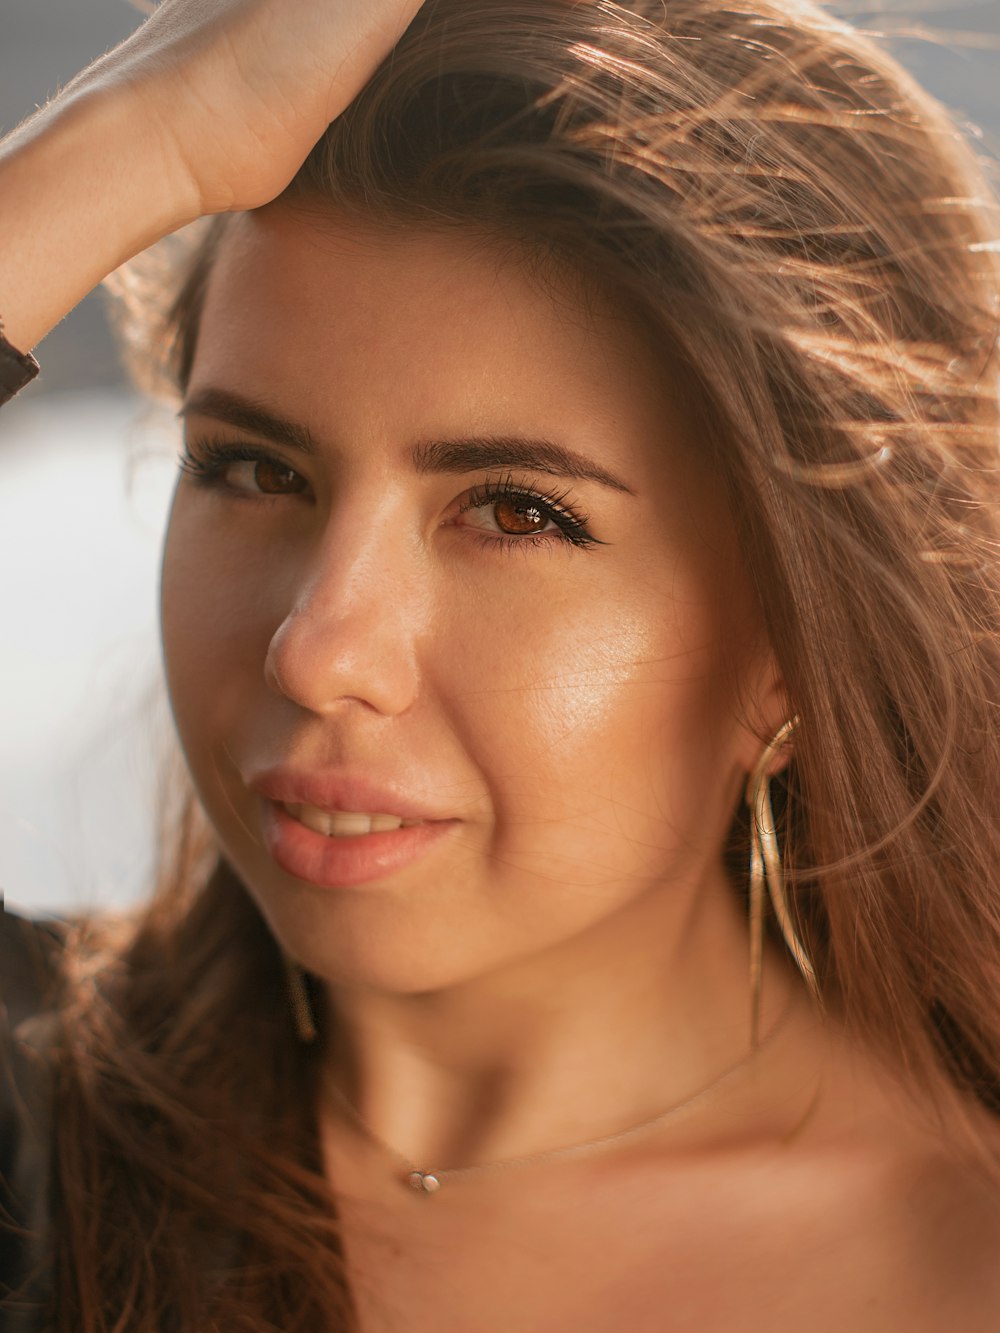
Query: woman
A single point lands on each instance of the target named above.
(588, 436)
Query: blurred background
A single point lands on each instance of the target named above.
(86, 472)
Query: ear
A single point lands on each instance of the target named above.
(768, 708)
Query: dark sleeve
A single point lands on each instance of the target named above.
(16, 369)
(29, 961)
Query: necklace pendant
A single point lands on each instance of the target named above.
(423, 1181)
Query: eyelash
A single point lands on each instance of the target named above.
(206, 464)
(571, 524)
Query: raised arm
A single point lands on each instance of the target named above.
(210, 106)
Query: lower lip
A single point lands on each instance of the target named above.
(341, 863)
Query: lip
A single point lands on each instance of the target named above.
(348, 792)
(341, 863)
(332, 863)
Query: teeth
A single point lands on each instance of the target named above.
(344, 823)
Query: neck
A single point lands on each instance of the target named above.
(569, 1045)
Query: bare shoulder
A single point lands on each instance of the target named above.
(864, 1203)
(913, 1215)
(948, 1218)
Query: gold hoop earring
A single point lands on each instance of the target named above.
(766, 868)
(298, 998)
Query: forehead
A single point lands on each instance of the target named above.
(420, 331)
(345, 273)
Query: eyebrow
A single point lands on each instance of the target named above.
(429, 456)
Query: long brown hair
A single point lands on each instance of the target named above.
(802, 232)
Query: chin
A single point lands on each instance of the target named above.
(376, 947)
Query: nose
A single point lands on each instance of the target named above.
(350, 635)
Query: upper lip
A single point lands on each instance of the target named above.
(343, 791)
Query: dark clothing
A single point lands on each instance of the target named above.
(16, 369)
(28, 966)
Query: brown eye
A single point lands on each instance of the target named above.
(274, 479)
(518, 517)
(504, 513)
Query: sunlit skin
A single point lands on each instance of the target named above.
(587, 717)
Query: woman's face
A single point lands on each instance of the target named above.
(457, 565)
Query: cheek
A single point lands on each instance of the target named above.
(215, 628)
(604, 709)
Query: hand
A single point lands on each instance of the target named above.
(235, 93)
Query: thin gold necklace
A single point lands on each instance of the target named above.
(430, 1181)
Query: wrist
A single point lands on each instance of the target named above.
(81, 191)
